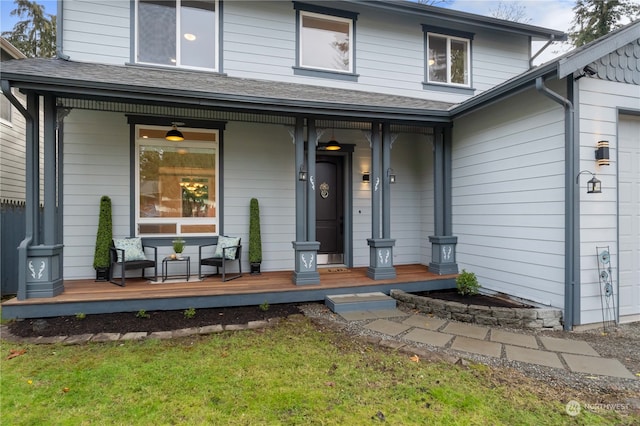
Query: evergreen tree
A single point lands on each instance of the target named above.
(596, 18)
(35, 34)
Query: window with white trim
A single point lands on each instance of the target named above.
(180, 33)
(176, 182)
(5, 109)
(325, 42)
(448, 60)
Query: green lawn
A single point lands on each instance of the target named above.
(293, 373)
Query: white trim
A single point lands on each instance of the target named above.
(448, 39)
(179, 222)
(326, 17)
(216, 41)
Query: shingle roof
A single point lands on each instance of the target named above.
(137, 83)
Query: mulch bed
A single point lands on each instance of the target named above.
(452, 295)
(126, 322)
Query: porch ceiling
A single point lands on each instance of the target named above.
(138, 84)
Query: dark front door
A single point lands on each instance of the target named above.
(330, 208)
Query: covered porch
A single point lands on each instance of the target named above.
(267, 137)
(91, 297)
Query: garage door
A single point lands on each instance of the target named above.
(629, 205)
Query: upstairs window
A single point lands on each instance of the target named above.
(448, 58)
(325, 40)
(180, 33)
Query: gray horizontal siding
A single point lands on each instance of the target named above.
(259, 41)
(508, 197)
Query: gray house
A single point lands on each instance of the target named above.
(452, 152)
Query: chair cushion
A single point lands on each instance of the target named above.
(132, 249)
(226, 242)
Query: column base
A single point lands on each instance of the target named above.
(381, 259)
(44, 271)
(306, 263)
(443, 255)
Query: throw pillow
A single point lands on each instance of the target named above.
(132, 249)
(224, 242)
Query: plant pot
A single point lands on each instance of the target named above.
(102, 274)
(255, 268)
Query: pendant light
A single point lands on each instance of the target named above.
(333, 144)
(174, 135)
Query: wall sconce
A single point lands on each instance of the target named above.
(365, 177)
(594, 186)
(602, 153)
(174, 135)
(391, 175)
(302, 174)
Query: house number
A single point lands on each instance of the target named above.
(324, 189)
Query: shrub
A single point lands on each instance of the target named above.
(467, 283)
(189, 313)
(255, 239)
(104, 235)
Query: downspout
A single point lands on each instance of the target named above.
(29, 228)
(59, 31)
(570, 209)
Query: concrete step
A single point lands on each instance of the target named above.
(359, 302)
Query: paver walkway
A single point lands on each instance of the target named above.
(571, 355)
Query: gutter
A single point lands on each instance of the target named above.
(30, 208)
(571, 267)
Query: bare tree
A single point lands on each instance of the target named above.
(434, 2)
(511, 11)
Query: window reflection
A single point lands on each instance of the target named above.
(325, 42)
(177, 182)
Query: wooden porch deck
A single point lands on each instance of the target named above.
(90, 297)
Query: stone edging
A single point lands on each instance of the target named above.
(526, 318)
(140, 335)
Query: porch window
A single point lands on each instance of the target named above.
(181, 33)
(448, 60)
(325, 40)
(176, 182)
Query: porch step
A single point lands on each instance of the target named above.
(359, 302)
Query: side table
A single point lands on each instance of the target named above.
(165, 266)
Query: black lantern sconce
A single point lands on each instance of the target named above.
(391, 175)
(602, 153)
(594, 186)
(365, 177)
(302, 174)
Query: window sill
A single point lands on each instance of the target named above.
(449, 89)
(173, 68)
(334, 75)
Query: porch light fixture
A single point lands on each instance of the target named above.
(602, 153)
(365, 177)
(594, 186)
(174, 135)
(333, 144)
(391, 175)
(302, 174)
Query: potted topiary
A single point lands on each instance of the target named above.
(101, 260)
(255, 239)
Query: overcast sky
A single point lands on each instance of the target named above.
(554, 14)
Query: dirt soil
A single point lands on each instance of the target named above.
(478, 299)
(126, 322)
